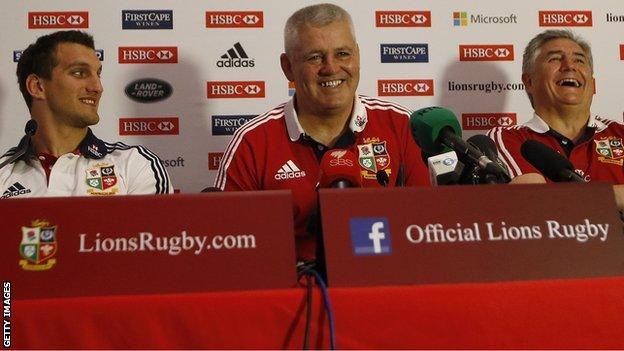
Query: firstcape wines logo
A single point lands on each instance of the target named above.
(147, 19)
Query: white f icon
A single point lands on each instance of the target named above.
(376, 235)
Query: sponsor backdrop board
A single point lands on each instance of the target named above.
(419, 236)
(181, 77)
(125, 245)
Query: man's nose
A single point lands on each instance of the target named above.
(330, 66)
(95, 85)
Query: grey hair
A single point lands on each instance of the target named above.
(318, 15)
(534, 47)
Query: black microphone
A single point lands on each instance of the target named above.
(24, 144)
(551, 164)
(487, 146)
(433, 128)
(382, 178)
(211, 189)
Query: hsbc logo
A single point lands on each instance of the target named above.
(214, 159)
(46, 20)
(251, 89)
(411, 87)
(149, 126)
(486, 53)
(403, 18)
(565, 19)
(148, 54)
(234, 19)
(484, 121)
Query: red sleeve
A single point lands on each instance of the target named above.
(508, 142)
(237, 168)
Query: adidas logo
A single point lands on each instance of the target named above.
(289, 171)
(15, 190)
(236, 57)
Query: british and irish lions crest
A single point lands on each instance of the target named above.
(101, 180)
(373, 157)
(38, 246)
(610, 150)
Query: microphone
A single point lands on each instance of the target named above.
(382, 178)
(487, 146)
(339, 169)
(211, 189)
(24, 144)
(437, 130)
(551, 164)
(445, 169)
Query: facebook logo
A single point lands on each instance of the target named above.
(370, 236)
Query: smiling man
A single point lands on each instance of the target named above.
(59, 77)
(282, 148)
(557, 71)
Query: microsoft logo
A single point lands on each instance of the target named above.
(460, 19)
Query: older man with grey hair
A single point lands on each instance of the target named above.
(557, 71)
(282, 149)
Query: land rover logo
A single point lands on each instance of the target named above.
(148, 90)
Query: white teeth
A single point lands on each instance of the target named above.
(569, 81)
(88, 101)
(331, 84)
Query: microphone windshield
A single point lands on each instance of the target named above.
(382, 177)
(485, 144)
(427, 123)
(339, 165)
(546, 160)
(31, 127)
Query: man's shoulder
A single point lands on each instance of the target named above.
(263, 123)
(376, 106)
(124, 153)
(609, 125)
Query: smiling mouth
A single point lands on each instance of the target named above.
(569, 82)
(88, 101)
(331, 83)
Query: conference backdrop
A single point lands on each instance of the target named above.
(181, 76)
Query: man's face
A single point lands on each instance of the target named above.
(73, 93)
(325, 66)
(561, 76)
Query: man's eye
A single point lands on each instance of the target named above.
(78, 74)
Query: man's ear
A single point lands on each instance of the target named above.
(34, 85)
(527, 81)
(287, 67)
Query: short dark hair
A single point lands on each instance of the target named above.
(39, 58)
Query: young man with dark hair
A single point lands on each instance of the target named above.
(59, 77)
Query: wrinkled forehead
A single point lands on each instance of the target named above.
(562, 46)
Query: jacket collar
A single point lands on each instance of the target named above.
(357, 121)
